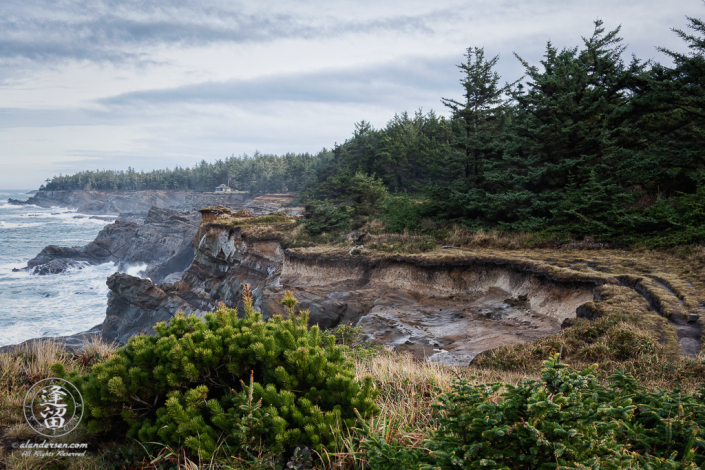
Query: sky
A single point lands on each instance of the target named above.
(112, 84)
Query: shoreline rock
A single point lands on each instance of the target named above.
(163, 243)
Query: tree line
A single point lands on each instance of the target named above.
(585, 143)
(259, 173)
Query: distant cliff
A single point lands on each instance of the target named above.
(109, 202)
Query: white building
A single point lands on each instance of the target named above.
(223, 188)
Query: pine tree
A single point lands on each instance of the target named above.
(671, 102)
(476, 117)
(569, 118)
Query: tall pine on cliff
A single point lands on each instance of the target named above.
(477, 123)
(569, 120)
(476, 119)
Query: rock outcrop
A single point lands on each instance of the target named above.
(135, 305)
(442, 310)
(163, 244)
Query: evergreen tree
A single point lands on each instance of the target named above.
(476, 117)
(672, 104)
(569, 119)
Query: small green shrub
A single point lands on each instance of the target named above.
(240, 383)
(368, 194)
(400, 213)
(322, 216)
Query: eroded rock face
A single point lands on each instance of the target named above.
(442, 311)
(448, 312)
(135, 305)
(224, 262)
(163, 243)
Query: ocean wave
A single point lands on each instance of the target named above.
(9, 225)
(14, 206)
(8, 267)
(54, 305)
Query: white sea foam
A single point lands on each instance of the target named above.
(8, 267)
(78, 219)
(16, 206)
(10, 225)
(136, 270)
(58, 305)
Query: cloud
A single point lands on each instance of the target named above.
(19, 117)
(123, 31)
(401, 81)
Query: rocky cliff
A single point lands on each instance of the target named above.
(446, 308)
(116, 202)
(160, 239)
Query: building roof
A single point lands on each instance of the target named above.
(223, 186)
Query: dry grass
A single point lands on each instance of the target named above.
(399, 242)
(461, 236)
(408, 387)
(19, 370)
(33, 359)
(18, 432)
(374, 227)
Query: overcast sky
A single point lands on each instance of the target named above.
(156, 83)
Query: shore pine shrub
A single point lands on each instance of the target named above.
(239, 383)
(566, 420)
(368, 194)
(400, 213)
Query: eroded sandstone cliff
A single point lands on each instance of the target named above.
(446, 308)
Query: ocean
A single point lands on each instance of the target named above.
(34, 306)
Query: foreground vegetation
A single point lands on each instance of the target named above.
(427, 415)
